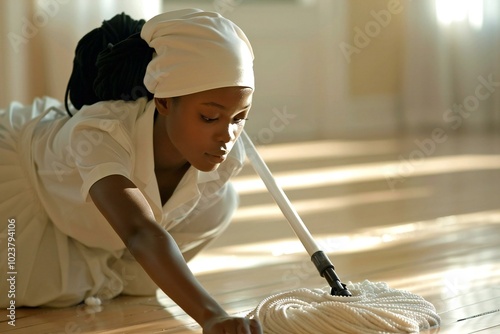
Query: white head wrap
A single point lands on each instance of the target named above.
(196, 51)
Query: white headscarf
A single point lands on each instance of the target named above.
(196, 51)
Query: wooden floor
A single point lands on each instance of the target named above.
(424, 218)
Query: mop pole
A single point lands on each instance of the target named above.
(318, 257)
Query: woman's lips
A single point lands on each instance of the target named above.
(216, 158)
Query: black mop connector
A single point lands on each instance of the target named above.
(327, 270)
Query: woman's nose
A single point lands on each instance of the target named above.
(226, 133)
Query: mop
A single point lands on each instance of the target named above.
(365, 307)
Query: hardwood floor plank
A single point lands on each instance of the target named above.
(435, 234)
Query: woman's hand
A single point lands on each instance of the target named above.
(232, 325)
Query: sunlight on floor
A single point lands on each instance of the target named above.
(452, 283)
(280, 250)
(388, 170)
(259, 213)
(326, 149)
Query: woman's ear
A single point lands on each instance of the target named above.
(162, 105)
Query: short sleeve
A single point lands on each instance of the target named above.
(102, 146)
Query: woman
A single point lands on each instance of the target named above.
(118, 197)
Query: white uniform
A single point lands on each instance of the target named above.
(65, 249)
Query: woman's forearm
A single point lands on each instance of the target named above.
(130, 215)
(158, 254)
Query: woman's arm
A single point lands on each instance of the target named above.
(128, 212)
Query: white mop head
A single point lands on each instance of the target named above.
(373, 308)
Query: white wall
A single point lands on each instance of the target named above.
(305, 87)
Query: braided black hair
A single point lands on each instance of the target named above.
(110, 64)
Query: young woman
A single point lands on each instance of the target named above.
(119, 196)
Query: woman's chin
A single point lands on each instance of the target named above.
(207, 167)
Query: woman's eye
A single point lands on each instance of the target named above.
(208, 119)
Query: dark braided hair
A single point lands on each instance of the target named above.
(110, 64)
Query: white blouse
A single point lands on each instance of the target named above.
(113, 137)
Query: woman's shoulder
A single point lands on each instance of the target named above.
(117, 109)
(109, 115)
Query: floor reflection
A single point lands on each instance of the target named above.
(363, 240)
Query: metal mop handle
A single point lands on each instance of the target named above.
(318, 257)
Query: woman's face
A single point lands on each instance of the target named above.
(201, 128)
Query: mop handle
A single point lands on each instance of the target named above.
(318, 257)
(279, 196)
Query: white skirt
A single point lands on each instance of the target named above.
(46, 267)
